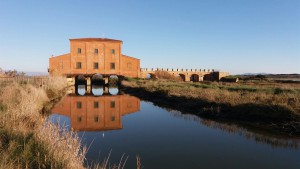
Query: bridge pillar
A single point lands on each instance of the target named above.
(187, 78)
(106, 80)
(88, 89)
(71, 81)
(200, 78)
(120, 79)
(105, 91)
(88, 81)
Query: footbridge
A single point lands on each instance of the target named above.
(194, 75)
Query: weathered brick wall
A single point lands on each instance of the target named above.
(60, 64)
(108, 57)
(187, 74)
(130, 66)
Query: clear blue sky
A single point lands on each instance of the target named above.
(238, 36)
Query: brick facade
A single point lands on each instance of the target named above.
(90, 56)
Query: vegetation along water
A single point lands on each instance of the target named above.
(274, 107)
(27, 139)
(151, 124)
(121, 125)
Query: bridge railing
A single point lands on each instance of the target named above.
(176, 70)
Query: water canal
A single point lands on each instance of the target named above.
(122, 124)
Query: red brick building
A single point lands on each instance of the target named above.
(89, 56)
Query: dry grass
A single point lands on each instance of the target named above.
(63, 145)
(56, 85)
(254, 103)
(138, 162)
(22, 105)
(106, 165)
(27, 141)
(273, 107)
(287, 95)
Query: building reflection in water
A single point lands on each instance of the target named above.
(96, 108)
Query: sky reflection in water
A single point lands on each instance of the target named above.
(165, 138)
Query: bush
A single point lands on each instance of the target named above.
(2, 107)
(166, 75)
(55, 85)
(261, 76)
(278, 91)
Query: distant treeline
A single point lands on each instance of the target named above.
(269, 76)
(11, 73)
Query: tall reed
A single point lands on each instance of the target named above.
(27, 139)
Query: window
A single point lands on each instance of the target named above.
(96, 51)
(96, 65)
(112, 118)
(96, 104)
(112, 66)
(113, 51)
(79, 119)
(112, 104)
(79, 50)
(79, 105)
(129, 65)
(96, 119)
(78, 65)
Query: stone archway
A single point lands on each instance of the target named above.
(182, 77)
(97, 79)
(80, 80)
(194, 78)
(150, 76)
(113, 80)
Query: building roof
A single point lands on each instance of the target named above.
(130, 57)
(96, 39)
(67, 54)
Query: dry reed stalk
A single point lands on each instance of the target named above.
(21, 116)
(64, 145)
(138, 162)
(22, 120)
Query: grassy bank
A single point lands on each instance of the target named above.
(27, 139)
(273, 106)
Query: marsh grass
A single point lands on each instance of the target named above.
(106, 164)
(27, 140)
(25, 151)
(233, 94)
(268, 103)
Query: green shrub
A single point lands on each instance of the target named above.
(242, 88)
(2, 107)
(278, 91)
(261, 76)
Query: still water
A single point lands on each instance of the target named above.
(122, 124)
